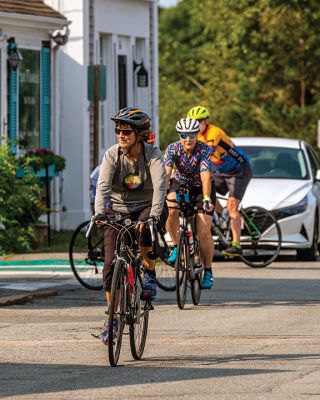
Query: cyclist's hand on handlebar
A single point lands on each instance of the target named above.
(99, 218)
(207, 204)
(140, 224)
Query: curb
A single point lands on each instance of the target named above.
(25, 298)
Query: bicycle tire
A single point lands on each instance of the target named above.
(138, 330)
(260, 237)
(198, 262)
(118, 301)
(181, 265)
(85, 258)
(166, 277)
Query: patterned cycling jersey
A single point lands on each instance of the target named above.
(225, 156)
(188, 168)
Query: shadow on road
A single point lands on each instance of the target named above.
(28, 379)
(229, 292)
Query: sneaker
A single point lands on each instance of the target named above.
(149, 285)
(207, 281)
(104, 336)
(232, 251)
(173, 256)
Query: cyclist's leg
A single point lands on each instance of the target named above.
(237, 184)
(203, 223)
(110, 237)
(145, 245)
(172, 224)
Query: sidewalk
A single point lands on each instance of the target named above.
(35, 256)
(24, 277)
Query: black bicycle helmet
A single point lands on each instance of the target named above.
(133, 116)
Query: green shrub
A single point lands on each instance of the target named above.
(19, 206)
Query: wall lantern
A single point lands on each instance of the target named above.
(60, 38)
(14, 55)
(142, 74)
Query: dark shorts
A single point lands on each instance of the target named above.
(195, 193)
(110, 238)
(235, 182)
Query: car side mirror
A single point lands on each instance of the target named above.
(318, 175)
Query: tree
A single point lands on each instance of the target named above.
(253, 63)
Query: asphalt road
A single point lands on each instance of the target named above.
(255, 336)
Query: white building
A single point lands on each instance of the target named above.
(116, 33)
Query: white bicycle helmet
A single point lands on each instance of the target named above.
(188, 125)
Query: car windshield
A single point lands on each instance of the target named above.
(277, 162)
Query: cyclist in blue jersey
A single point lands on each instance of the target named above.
(193, 169)
(231, 171)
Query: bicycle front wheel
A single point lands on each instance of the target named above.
(117, 313)
(182, 265)
(86, 257)
(139, 328)
(166, 277)
(260, 237)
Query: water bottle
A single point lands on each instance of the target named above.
(186, 197)
(224, 219)
(131, 279)
(215, 218)
(191, 241)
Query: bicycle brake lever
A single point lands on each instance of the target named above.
(92, 221)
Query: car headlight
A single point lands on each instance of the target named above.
(291, 210)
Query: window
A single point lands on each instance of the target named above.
(277, 162)
(313, 161)
(29, 99)
(122, 67)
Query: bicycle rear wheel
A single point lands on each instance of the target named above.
(117, 309)
(198, 262)
(260, 237)
(139, 328)
(182, 265)
(166, 276)
(86, 257)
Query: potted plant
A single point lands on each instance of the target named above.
(40, 161)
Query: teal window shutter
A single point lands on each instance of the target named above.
(13, 109)
(45, 98)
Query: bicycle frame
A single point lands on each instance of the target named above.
(187, 215)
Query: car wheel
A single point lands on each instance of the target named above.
(311, 253)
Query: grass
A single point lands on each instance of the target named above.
(59, 242)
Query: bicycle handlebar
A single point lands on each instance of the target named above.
(153, 254)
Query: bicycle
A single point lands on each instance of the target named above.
(189, 265)
(166, 276)
(126, 306)
(260, 237)
(86, 256)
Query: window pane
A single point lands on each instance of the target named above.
(277, 162)
(29, 99)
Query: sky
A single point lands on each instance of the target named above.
(167, 3)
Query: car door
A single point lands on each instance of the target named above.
(315, 166)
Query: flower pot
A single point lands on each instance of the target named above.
(51, 172)
(41, 236)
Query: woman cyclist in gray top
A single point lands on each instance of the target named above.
(132, 175)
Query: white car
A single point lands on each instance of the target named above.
(286, 181)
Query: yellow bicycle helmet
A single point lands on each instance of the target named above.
(198, 112)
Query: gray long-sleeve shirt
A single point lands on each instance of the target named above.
(132, 187)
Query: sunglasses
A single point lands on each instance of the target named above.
(125, 132)
(185, 136)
